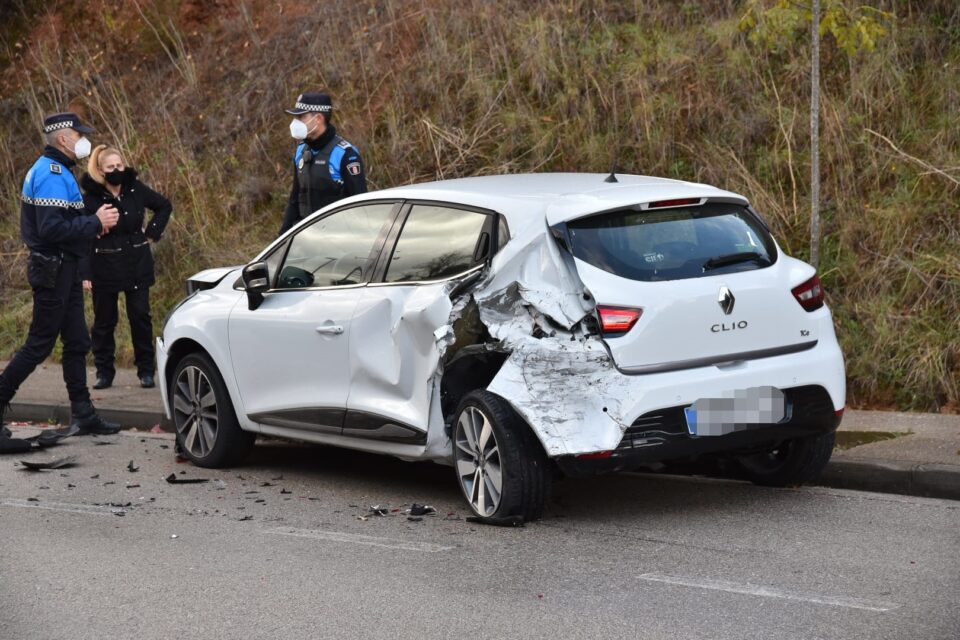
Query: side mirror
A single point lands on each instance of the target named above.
(256, 281)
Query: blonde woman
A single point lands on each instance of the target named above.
(122, 261)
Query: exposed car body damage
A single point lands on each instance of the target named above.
(523, 325)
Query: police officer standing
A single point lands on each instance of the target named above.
(326, 167)
(58, 232)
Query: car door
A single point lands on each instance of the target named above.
(291, 354)
(394, 352)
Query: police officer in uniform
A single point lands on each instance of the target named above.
(58, 232)
(326, 167)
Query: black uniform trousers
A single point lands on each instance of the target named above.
(105, 322)
(56, 312)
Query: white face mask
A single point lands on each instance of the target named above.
(298, 130)
(82, 148)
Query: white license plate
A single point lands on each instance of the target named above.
(743, 409)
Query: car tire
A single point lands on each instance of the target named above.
(790, 463)
(200, 417)
(486, 426)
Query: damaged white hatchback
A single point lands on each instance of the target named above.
(518, 328)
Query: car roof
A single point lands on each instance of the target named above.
(557, 196)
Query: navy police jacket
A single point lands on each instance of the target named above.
(52, 216)
(325, 170)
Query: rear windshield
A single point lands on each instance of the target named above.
(673, 244)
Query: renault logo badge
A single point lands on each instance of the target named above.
(726, 300)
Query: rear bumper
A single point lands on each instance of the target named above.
(661, 436)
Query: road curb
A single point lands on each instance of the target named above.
(926, 480)
(60, 413)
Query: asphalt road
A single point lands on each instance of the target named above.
(278, 549)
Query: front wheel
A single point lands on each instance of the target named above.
(790, 463)
(207, 429)
(501, 468)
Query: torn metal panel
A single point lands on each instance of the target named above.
(398, 336)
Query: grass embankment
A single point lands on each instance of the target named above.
(433, 89)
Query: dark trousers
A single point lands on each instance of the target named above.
(56, 312)
(105, 322)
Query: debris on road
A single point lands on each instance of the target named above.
(244, 518)
(59, 463)
(421, 510)
(174, 479)
(377, 510)
(132, 468)
(415, 518)
(509, 521)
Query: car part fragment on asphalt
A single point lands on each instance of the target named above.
(175, 479)
(59, 463)
(132, 468)
(508, 521)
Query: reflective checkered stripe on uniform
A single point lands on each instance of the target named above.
(322, 108)
(58, 125)
(52, 202)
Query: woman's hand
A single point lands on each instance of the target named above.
(87, 285)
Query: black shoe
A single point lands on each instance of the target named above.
(147, 381)
(103, 382)
(4, 432)
(88, 422)
(14, 445)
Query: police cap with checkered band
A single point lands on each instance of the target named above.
(66, 120)
(311, 102)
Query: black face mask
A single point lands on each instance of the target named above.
(115, 177)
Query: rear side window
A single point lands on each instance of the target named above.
(673, 244)
(436, 243)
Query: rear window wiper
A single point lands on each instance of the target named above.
(734, 258)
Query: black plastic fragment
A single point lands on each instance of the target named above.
(508, 521)
(132, 468)
(422, 510)
(173, 479)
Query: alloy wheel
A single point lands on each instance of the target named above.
(195, 411)
(477, 456)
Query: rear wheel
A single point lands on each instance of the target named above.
(790, 463)
(207, 429)
(501, 468)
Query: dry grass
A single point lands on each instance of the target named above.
(194, 91)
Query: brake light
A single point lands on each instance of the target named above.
(809, 294)
(618, 319)
(678, 202)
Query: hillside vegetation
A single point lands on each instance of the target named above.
(193, 91)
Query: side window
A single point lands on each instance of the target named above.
(436, 243)
(335, 250)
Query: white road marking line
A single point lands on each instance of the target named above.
(356, 538)
(770, 592)
(59, 506)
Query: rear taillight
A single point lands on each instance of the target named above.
(614, 320)
(809, 294)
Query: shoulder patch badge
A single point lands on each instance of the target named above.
(354, 168)
(55, 168)
(300, 164)
(343, 144)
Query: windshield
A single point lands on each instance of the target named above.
(673, 244)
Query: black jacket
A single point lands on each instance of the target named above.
(122, 260)
(52, 216)
(324, 171)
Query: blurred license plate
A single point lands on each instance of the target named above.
(744, 409)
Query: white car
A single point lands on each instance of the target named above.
(515, 327)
